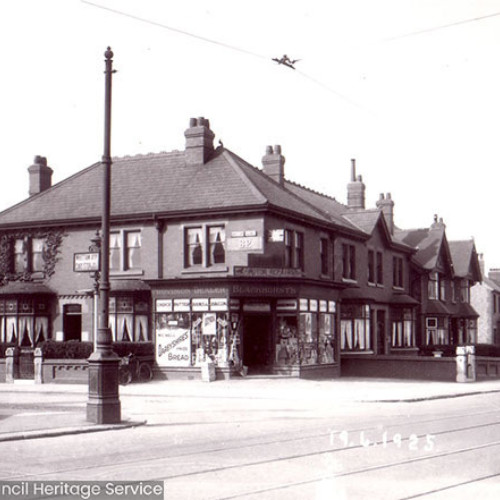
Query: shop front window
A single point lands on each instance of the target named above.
(287, 349)
(210, 337)
(326, 340)
(308, 333)
(355, 328)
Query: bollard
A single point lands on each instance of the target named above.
(38, 361)
(11, 364)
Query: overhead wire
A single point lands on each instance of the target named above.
(215, 42)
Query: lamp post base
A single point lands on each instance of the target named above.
(103, 406)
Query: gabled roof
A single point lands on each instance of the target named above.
(160, 183)
(328, 205)
(430, 243)
(465, 259)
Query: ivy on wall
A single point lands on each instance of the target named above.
(52, 244)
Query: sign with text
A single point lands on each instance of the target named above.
(173, 342)
(86, 262)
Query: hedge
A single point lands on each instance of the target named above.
(74, 349)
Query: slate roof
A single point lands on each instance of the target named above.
(161, 184)
(462, 253)
(428, 242)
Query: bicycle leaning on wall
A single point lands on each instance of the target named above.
(132, 368)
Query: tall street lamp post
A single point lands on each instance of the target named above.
(103, 406)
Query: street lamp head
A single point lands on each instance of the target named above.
(108, 54)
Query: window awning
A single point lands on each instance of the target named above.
(465, 311)
(25, 288)
(436, 307)
(128, 285)
(403, 299)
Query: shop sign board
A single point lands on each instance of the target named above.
(164, 305)
(182, 305)
(323, 306)
(313, 305)
(85, 262)
(304, 304)
(286, 305)
(173, 344)
(199, 305)
(332, 306)
(218, 304)
(257, 307)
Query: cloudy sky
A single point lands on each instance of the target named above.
(410, 88)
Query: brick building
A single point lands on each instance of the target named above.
(211, 257)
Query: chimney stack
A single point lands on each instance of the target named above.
(40, 176)
(199, 142)
(386, 204)
(355, 189)
(274, 164)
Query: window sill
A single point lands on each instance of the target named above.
(375, 285)
(349, 280)
(205, 270)
(398, 288)
(355, 353)
(132, 272)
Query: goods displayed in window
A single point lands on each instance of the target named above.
(287, 341)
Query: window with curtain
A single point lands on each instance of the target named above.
(403, 328)
(129, 319)
(24, 322)
(133, 250)
(216, 251)
(355, 331)
(125, 250)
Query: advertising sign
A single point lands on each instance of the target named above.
(86, 262)
(173, 342)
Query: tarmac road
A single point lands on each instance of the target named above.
(271, 438)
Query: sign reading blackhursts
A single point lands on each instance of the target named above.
(82, 490)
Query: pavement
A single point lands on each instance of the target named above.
(30, 411)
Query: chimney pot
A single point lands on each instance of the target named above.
(274, 164)
(40, 175)
(199, 141)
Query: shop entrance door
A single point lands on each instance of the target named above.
(257, 342)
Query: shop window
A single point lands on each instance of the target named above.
(326, 338)
(397, 272)
(436, 331)
(128, 319)
(287, 342)
(210, 337)
(294, 249)
(125, 250)
(24, 322)
(355, 328)
(403, 329)
(323, 251)
(348, 261)
(204, 246)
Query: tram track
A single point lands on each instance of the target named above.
(288, 457)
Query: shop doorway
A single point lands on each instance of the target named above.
(257, 347)
(72, 322)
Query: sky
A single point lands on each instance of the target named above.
(409, 88)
